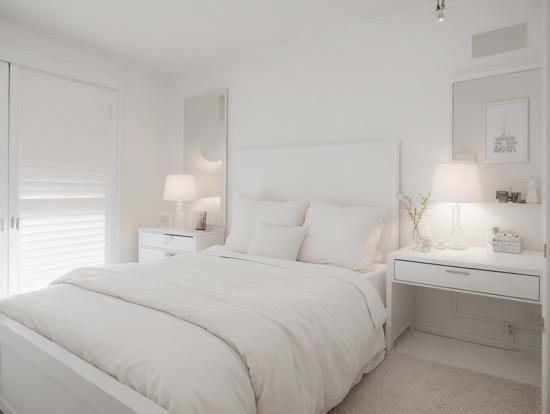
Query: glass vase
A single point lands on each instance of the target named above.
(416, 238)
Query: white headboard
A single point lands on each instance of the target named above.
(356, 173)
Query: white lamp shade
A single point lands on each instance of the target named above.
(456, 183)
(179, 187)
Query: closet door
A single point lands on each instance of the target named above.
(62, 177)
(4, 99)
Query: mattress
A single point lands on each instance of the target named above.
(219, 332)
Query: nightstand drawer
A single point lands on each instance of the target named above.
(168, 242)
(509, 285)
(147, 255)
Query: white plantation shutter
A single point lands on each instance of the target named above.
(66, 139)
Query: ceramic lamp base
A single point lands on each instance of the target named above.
(180, 218)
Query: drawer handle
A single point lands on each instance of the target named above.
(458, 272)
(168, 254)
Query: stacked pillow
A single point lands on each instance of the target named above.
(249, 212)
(277, 241)
(321, 233)
(342, 236)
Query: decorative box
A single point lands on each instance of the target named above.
(507, 243)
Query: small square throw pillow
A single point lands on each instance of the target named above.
(342, 236)
(248, 212)
(277, 241)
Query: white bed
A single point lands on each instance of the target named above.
(199, 354)
(377, 277)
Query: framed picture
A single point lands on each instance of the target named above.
(199, 220)
(507, 131)
(165, 220)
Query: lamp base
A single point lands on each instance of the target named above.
(179, 222)
(457, 238)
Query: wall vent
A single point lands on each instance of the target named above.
(501, 40)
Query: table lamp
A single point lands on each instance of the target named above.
(179, 188)
(458, 184)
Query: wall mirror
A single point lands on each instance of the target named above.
(205, 152)
(497, 122)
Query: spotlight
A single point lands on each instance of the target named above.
(439, 9)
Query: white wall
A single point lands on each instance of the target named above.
(142, 115)
(546, 149)
(385, 80)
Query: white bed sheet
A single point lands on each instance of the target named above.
(377, 277)
(217, 333)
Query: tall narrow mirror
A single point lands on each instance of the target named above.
(205, 152)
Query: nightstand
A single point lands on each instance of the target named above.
(158, 243)
(474, 271)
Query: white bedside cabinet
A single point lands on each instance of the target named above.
(157, 243)
(474, 271)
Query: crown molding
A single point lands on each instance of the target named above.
(426, 7)
(82, 46)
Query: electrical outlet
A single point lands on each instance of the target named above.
(510, 329)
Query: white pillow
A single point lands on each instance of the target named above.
(248, 212)
(277, 241)
(343, 236)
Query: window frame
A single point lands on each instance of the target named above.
(112, 218)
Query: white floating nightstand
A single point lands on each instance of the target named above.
(157, 243)
(476, 271)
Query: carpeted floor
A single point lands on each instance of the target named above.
(404, 384)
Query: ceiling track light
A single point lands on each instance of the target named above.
(439, 9)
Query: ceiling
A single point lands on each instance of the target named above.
(170, 36)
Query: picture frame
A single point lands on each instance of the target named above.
(165, 220)
(199, 220)
(507, 131)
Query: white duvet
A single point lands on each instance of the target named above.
(217, 332)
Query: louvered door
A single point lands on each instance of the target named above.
(62, 152)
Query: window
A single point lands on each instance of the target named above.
(62, 176)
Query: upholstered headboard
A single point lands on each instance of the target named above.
(353, 173)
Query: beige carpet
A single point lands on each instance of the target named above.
(404, 384)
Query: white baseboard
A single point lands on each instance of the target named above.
(400, 331)
(474, 339)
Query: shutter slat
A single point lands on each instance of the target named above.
(41, 241)
(58, 252)
(59, 228)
